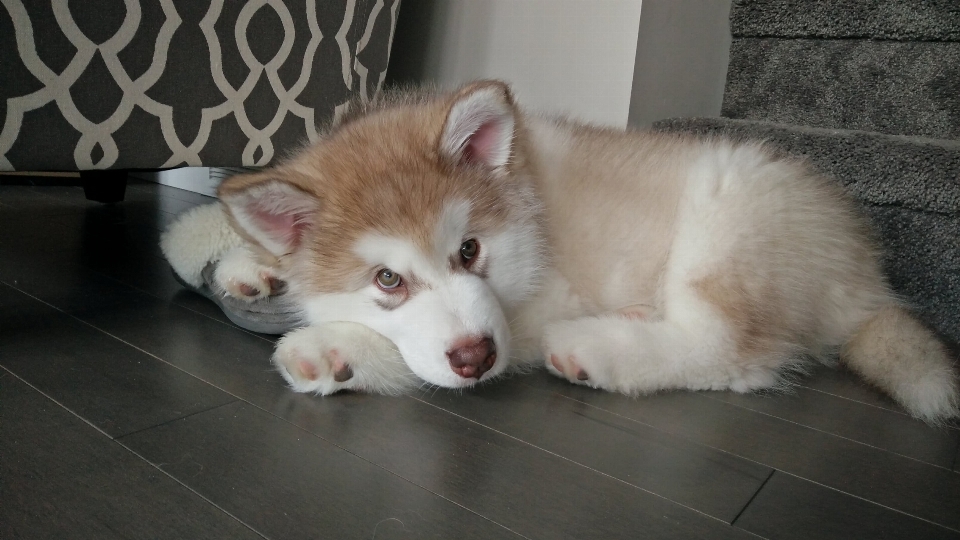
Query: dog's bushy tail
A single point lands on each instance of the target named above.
(894, 351)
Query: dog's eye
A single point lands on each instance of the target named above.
(388, 279)
(469, 250)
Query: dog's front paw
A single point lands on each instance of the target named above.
(571, 351)
(330, 357)
(241, 276)
(313, 359)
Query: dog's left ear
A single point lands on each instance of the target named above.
(270, 210)
(479, 127)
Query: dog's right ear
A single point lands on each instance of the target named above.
(479, 127)
(269, 210)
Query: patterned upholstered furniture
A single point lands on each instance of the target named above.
(148, 84)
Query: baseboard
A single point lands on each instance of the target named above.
(202, 180)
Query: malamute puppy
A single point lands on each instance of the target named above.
(447, 238)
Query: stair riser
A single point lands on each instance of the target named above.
(900, 88)
(875, 168)
(922, 261)
(927, 20)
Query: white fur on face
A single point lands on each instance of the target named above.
(451, 230)
(444, 306)
(517, 259)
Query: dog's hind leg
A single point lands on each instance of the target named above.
(694, 346)
(240, 275)
(330, 357)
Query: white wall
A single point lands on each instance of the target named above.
(683, 49)
(604, 61)
(572, 56)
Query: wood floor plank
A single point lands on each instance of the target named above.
(705, 479)
(203, 344)
(237, 362)
(70, 190)
(149, 216)
(74, 238)
(64, 281)
(221, 354)
(44, 250)
(791, 508)
(104, 381)
(67, 202)
(289, 484)
(28, 233)
(535, 493)
(108, 240)
(847, 385)
(19, 199)
(60, 478)
(217, 353)
(883, 428)
(901, 483)
(154, 276)
(545, 464)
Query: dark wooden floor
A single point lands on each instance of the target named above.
(130, 408)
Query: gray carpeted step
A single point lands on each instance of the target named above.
(909, 187)
(920, 174)
(902, 88)
(920, 20)
(922, 260)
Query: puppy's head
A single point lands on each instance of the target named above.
(415, 217)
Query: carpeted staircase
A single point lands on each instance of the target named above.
(869, 91)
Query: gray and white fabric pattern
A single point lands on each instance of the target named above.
(96, 84)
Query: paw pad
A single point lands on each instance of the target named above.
(248, 290)
(556, 363)
(577, 371)
(342, 371)
(343, 374)
(277, 285)
(308, 370)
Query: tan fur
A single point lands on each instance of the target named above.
(757, 317)
(893, 346)
(575, 194)
(359, 191)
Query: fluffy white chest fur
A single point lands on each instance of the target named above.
(448, 238)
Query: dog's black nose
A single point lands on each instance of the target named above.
(473, 356)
